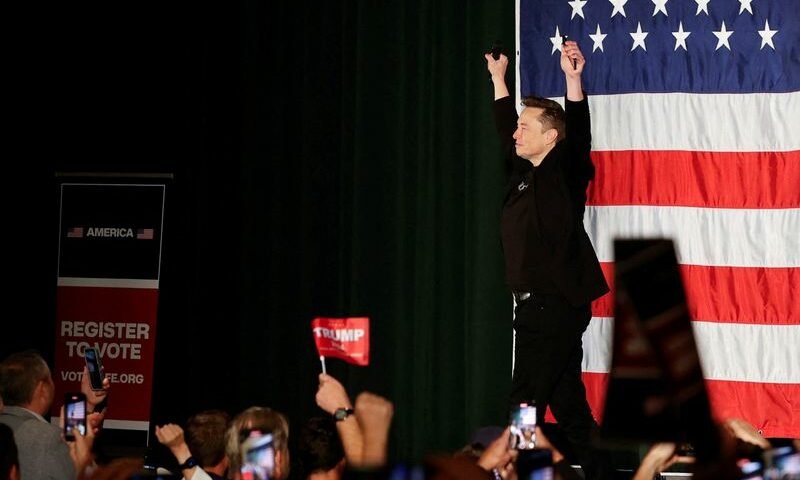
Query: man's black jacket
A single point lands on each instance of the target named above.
(560, 198)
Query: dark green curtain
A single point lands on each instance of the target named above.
(421, 183)
(405, 164)
(330, 158)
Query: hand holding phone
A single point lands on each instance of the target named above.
(74, 415)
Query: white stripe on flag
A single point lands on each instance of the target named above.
(756, 122)
(728, 351)
(598, 340)
(749, 353)
(703, 236)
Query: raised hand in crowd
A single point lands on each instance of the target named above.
(363, 429)
(745, 432)
(80, 449)
(660, 457)
(96, 401)
(374, 414)
(171, 436)
(94, 397)
(499, 457)
(331, 396)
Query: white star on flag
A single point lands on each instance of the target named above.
(722, 37)
(745, 5)
(597, 37)
(660, 6)
(556, 41)
(702, 6)
(638, 37)
(619, 7)
(766, 36)
(577, 8)
(680, 36)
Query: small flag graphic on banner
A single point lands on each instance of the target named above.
(343, 338)
(144, 234)
(75, 232)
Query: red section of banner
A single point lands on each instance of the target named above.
(343, 338)
(696, 179)
(121, 324)
(753, 295)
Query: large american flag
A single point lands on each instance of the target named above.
(696, 136)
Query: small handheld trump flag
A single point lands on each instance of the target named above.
(343, 338)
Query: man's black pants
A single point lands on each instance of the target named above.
(547, 370)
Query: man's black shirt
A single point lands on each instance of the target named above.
(524, 247)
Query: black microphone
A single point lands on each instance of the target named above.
(497, 49)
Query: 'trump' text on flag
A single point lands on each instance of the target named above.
(343, 338)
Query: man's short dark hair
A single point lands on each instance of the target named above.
(553, 115)
(19, 374)
(318, 445)
(205, 436)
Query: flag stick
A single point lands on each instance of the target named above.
(322, 361)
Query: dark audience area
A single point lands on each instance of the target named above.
(259, 443)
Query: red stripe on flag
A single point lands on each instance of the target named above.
(752, 295)
(604, 306)
(776, 404)
(696, 179)
(773, 408)
(596, 387)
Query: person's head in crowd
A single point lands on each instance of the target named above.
(319, 453)
(446, 467)
(205, 437)
(265, 420)
(121, 469)
(479, 441)
(25, 381)
(9, 460)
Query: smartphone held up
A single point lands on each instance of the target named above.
(74, 415)
(94, 367)
(258, 456)
(523, 426)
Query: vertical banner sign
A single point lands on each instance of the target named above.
(107, 296)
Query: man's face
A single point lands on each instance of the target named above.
(50, 390)
(531, 139)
